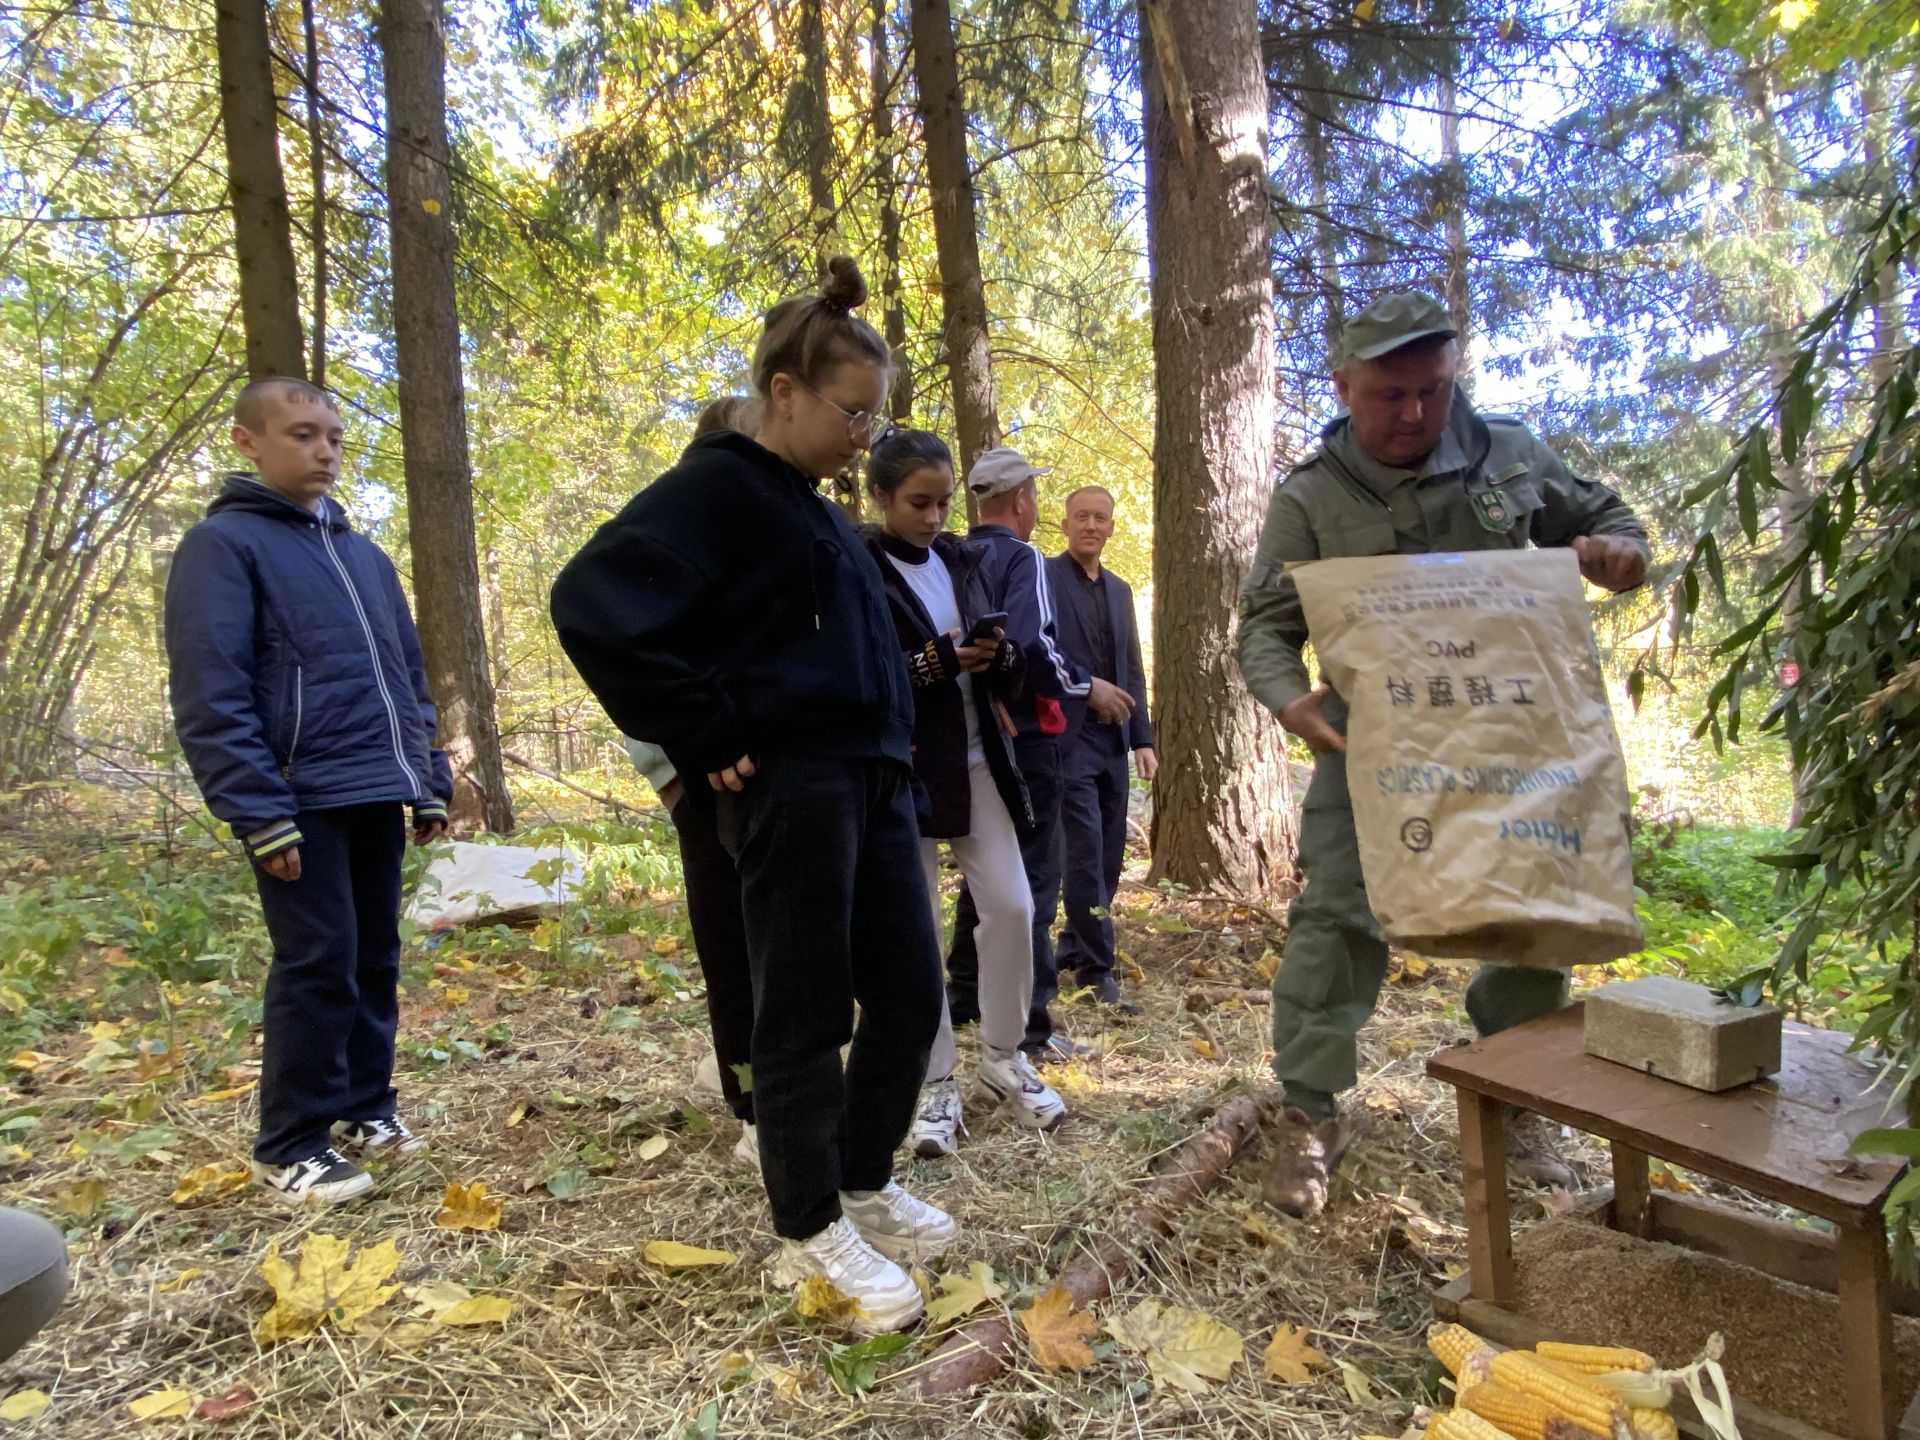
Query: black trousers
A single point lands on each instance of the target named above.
(1039, 763)
(836, 914)
(332, 1003)
(720, 937)
(1093, 828)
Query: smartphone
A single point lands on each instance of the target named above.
(984, 627)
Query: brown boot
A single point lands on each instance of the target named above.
(1533, 1152)
(1306, 1155)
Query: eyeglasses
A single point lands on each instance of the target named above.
(864, 427)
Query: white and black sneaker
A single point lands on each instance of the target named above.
(937, 1124)
(325, 1177)
(380, 1137)
(897, 1224)
(887, 1299)
(1009, 1078)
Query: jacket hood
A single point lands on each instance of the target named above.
(242, 490)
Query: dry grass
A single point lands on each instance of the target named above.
(601, 1344)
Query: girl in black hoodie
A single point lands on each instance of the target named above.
(730, 615)
(962, 755)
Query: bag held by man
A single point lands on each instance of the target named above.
(1489, 793)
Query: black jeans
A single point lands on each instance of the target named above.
(720, 937)
(332, 1003)
(836, 915)
(1039, 763)
(1093, 833)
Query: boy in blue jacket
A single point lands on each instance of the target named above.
(301, 699)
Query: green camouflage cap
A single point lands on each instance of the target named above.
(1393, 321)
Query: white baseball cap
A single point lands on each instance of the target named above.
(1000, 469)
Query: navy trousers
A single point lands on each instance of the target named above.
(1093, 826)
(1039, 762)
(332, 1003)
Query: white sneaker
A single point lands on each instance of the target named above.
(380, 1137)
(896, 1224)
(1008, 1077)
(888, 1298)
(937, 1125)
(325, 1177)
(706, 1077)
(747, 1148)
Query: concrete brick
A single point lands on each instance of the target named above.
(1682, 1032)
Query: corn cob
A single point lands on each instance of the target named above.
(1594, 1359)
(1590, 1405)
(1524, 1417)
(1653, 1425)
(1464, 1425)
(1464, 1353)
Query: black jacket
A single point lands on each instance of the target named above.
(1014, 577)
(729, 610)
(1071, 601)
(940, 724)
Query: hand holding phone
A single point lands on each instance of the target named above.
(983, 629)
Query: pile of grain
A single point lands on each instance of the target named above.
(1783, 1341)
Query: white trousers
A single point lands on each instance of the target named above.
(989, 856)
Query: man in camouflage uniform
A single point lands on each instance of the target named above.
(1409, 469)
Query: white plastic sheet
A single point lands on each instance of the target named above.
(488, 882)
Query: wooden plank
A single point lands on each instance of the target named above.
(1483, 1154)
(1786, 1252)
(1785, 1138)
(1866, 1330)
(1632, 1189)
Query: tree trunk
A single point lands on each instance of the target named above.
(433, 422)
(1222, 816)
(893, 313)
(317, 174)
(1453, 196)
(963, 292)
(262, 232)
(1882, 185)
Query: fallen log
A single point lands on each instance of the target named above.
(975, 1353)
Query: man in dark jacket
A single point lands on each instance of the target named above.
(1013, 575)
(1100, 634)
(301, 700)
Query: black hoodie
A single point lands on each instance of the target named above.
(730, 610)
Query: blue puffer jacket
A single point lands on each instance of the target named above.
(295, 670)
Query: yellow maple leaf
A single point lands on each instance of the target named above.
(82, 1199)
(163, 1405)
(963, 1294)
(456, 995)
(1070, 1079)
(1057, 1333)
(672, 1255)
(1289, 1357)
(819, 1299)
(468, 1207)
(326, 1288)
(1183, 1348)
(24, 1404)
(209, 1183)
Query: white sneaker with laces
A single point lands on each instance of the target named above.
(937, 1124)
(706, 1077)
(380, 1137)
(747, 1148)
(898, 1225)
(888, 1298)
(325, 1177)
(1009, 1078)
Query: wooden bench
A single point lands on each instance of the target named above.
(1784, 1139)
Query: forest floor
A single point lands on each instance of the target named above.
(567, 1089)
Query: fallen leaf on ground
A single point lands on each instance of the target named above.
(82, 1199)
(33, 1060)
(1057, 1333)
(1359, 1383)
(437, 1297)
(478, 1310)
(516, 1114)
(1070, 1079)
(219, 1097)
(24, 1404)
(672, 1255)
(163, 1405)
(963, 1294)
(1257, 1223)
(819, 1299)
(180, 1281)
(654, 1147)
(1183, 1348)
(1662, 1178)
(326, 1287)
(1290, 1357)
(102, 1030)
(1204, 1048)
(152, 1059)
(230, 1406)
(468, 1207)
(666, 945)
(209, 1183)
(456, 995)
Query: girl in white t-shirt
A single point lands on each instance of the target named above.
(962, 671)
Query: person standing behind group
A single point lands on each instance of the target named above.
(978, 804)
(711, 879)
(730, 615)
(1100, 633)
(1014, 578)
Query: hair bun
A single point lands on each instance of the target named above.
(845, 287)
